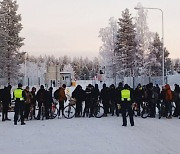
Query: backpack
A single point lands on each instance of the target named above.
(56, 94)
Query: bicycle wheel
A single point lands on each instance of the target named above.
(98, 111)
(145, 112)
(69, 111)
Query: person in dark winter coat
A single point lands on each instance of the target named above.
(42, 100)
(112, 98)
(79, 95)
(95, 97)
(88, 101)
(50, 99)
(33, 100)
(104, 95)
(150, 99)
(6, 101)
(158, 91)
(176, 99)
(138, 96)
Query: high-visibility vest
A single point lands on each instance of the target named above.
(18, 94)
(125, 94)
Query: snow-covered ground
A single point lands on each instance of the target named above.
(91, 136)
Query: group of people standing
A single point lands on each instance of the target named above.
(26, 101)
(110, 98)
(115, 100)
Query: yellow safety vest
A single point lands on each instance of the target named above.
(18, 94)
(125, 94)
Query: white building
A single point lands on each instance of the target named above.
(55, 78)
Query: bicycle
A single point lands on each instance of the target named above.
(162, 110)
(145, 110)
(98, 110)
(69, 110)
(135, 109)
(42, 113)
(54, 109)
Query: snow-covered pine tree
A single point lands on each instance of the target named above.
(126, 45)
(96, 66)
(154, 57)
(11, 27)
(76, 66)
(143, 38)
(108, 36)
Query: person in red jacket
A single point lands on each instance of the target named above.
(168, 100)
(62, 98)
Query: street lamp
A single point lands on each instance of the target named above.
(24, 54)
(149, 8)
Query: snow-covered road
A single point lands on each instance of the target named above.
(91, 136)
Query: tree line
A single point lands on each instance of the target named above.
(129, 48)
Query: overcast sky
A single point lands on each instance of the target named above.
(71, 27)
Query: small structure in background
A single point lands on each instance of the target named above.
(65, 78)
(55, 78)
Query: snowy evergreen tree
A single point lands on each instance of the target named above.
(125, 50)
(10, 27)
(154, 60)
(109, 36)
(143, 38)
(76, 66)
(95, 68)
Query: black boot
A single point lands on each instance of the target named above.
(22, 123)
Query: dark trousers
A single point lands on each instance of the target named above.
(61, 107)
(114, 107)
(87, 107)
(78, 108)
(19, 110)
(152, 105)
(177, 109)
(168, 108)
(126, 106)
(5, 107)
(105, 105)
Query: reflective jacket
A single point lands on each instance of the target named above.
(125, 95)
(18, 94)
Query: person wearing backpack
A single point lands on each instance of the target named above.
(56, 94)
